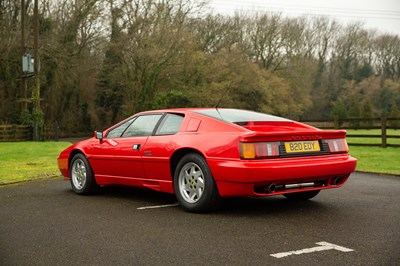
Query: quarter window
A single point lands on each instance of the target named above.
(170, 124)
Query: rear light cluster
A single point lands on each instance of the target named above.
(259, 150)
(337, 145)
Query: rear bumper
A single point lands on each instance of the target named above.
(247, 178)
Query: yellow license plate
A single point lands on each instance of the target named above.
(302, 146)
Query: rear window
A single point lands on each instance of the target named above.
(240, 116)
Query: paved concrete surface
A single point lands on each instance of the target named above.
(45, 223)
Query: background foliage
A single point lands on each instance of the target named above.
(102, 60)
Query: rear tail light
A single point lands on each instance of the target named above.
(259, 150)
(337, 145)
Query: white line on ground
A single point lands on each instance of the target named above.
(158, 206)
(321, 247)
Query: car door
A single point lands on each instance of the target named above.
(160, 146)
(119, 154)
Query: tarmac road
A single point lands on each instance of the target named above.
(45, 223)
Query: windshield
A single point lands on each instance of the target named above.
(238, 116)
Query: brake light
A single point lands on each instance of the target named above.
(259, 150)
(337, 145)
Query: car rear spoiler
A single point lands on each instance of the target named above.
(292, 135)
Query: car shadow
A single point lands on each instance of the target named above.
(231, 206)
(271, 205)
(132, 194)
(138, 194)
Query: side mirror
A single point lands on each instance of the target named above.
(98, 135)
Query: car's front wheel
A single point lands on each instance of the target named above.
(300, 196)
(82, 178)
(194, 184)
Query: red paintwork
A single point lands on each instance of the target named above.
(114, 162)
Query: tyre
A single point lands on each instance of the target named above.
(82, 178)
(300, 196)
(194, 184)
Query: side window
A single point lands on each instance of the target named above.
(142, 126)
(170, 124)
(117, 131)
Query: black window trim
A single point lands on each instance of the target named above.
(158, 124)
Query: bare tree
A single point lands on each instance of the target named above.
(265, 32)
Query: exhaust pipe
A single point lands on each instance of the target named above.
(336, 181)
(271, 188)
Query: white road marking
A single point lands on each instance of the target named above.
(158, 206)
(322, 246)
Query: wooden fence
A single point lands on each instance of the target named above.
(25, 133)
(382, 124)
(12, 133)
(15, 133)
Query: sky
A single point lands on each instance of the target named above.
(383, 15)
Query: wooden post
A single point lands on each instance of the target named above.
(336, 122)
(383, 128)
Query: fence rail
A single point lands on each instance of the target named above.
(25, 133)
(15, 133)
(381, 123)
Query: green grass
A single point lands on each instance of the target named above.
(21, 161)
(377, 160)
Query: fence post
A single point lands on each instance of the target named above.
(14, 132)
(336, 122)
(383, 128)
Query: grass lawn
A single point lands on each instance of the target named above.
(20, 161)
(377, 160)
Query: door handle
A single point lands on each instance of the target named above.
(136, 147)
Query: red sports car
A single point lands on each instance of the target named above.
(203, 155)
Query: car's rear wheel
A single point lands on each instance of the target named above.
(82, 178)
(194, 184)
(299, 196)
